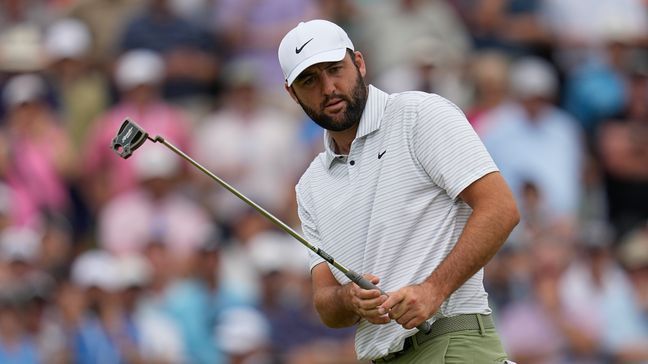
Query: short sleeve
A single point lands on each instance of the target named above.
(447, 147)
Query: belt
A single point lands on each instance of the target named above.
(440, 327)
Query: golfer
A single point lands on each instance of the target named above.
(405, 192)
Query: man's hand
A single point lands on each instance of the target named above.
(412, 305)
(365, 302)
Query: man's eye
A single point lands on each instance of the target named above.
(307, 81)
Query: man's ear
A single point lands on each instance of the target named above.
(291, 92)
(358, 59)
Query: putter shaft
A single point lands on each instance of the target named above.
(131, 136)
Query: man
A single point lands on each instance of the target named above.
(405, 191)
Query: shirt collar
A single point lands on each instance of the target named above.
(369, 122)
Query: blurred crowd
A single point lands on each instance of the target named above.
(147, 260)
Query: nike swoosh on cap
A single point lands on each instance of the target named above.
(297, 50)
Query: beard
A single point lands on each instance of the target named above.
(355, 106)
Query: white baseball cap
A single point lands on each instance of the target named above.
(139, 67)
(96, 268)
(19, 244)
(312, 42)
(533, 77)
(67, 38)
(23, 88)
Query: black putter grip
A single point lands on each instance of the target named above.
(366, 284)
(425, 327)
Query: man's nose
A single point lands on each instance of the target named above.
(328, 85)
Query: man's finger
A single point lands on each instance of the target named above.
(394, 299)
(371, 278)
(412, 323)
(367, 294)
(379, 320)
(371, 303)
(372, 312)
(397, 311)
(405, 317)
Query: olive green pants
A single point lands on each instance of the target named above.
(465, 347)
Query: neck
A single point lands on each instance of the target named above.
(343, 139)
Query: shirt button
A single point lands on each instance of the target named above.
(352, 162)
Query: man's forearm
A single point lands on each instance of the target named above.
(484, 233)
(334, 306)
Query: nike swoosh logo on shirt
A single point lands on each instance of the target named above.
(297, 50)
(381, 154)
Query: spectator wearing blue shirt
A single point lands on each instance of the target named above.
(15, 346)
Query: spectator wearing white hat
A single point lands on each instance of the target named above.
(81, 90)
(190, 52)
(104, 333)
(532, 140)
(159, 339)
(138, 75)
(30, 288)
(244, 335)
(20, 250)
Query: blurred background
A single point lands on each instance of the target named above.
(146, 260)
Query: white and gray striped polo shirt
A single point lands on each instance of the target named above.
(391, 207)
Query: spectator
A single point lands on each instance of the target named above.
(82, 91)
(138, 75)
(514, 27)
(531, 140)
(489, 71)
(197, 300)
(595, 90)
(242, 142)
(244, 335)
(580, 28)
(252, 29)
(106, 20)
(538, 328)
(190, 53)
(158, 337)
(594, 289)
(387, 28)
(295, 332)
(622, 148)
(633, 255)
(41, 158)
(105, 333)
(21, 51)
(15, 345)
(154, 211)
(429, 68)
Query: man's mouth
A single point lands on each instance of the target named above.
(334, 105)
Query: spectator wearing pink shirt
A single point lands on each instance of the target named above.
(155, 212)
(38, 156)
(138, 75)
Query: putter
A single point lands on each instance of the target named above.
(131, 136)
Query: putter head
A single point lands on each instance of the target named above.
(130, 137)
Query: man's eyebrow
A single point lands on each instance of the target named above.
(334, 64)
(302, 76)
(306, 73)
